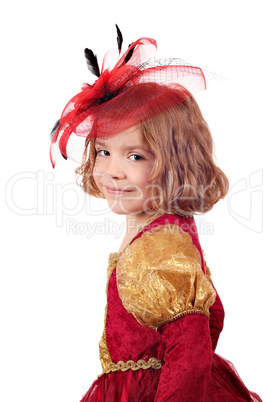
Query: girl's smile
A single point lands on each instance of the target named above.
(122, 171)
(116, 191)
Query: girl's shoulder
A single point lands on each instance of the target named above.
(168, 226)
(160, 276)
(185, 222)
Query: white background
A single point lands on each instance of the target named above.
(52, 274)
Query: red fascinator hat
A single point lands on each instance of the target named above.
(135, 89)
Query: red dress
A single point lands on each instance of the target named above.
(162, 323)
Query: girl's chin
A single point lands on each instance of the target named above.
(120, 211)
(136, 214)
(125, 210)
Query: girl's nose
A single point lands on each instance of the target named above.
(114, 169)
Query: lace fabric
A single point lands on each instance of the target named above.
(134, 90)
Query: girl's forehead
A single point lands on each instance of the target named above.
(100, 141)
(130, 136)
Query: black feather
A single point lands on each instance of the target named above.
(64, 157)
(54, 129)
(92, 62)
(129, 54)
(119, 38)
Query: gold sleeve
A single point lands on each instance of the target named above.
(159, 277)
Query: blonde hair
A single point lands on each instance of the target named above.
(184, 178)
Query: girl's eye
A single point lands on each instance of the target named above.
(136, 157)
(102, 152)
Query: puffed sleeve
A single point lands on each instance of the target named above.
(159, 277)
(161, 282)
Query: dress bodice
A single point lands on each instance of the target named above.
(163, 319)
(124, 338)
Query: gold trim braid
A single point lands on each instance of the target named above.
(130, 364)
(104, 353)
(181, 314)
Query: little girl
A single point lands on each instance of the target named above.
(143, 145)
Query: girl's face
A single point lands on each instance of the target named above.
(122, 170)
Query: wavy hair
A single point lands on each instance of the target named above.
(185, 178)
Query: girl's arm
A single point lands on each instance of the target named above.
(161, 282)
(187, 360)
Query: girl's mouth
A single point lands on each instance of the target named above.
(111, 190)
